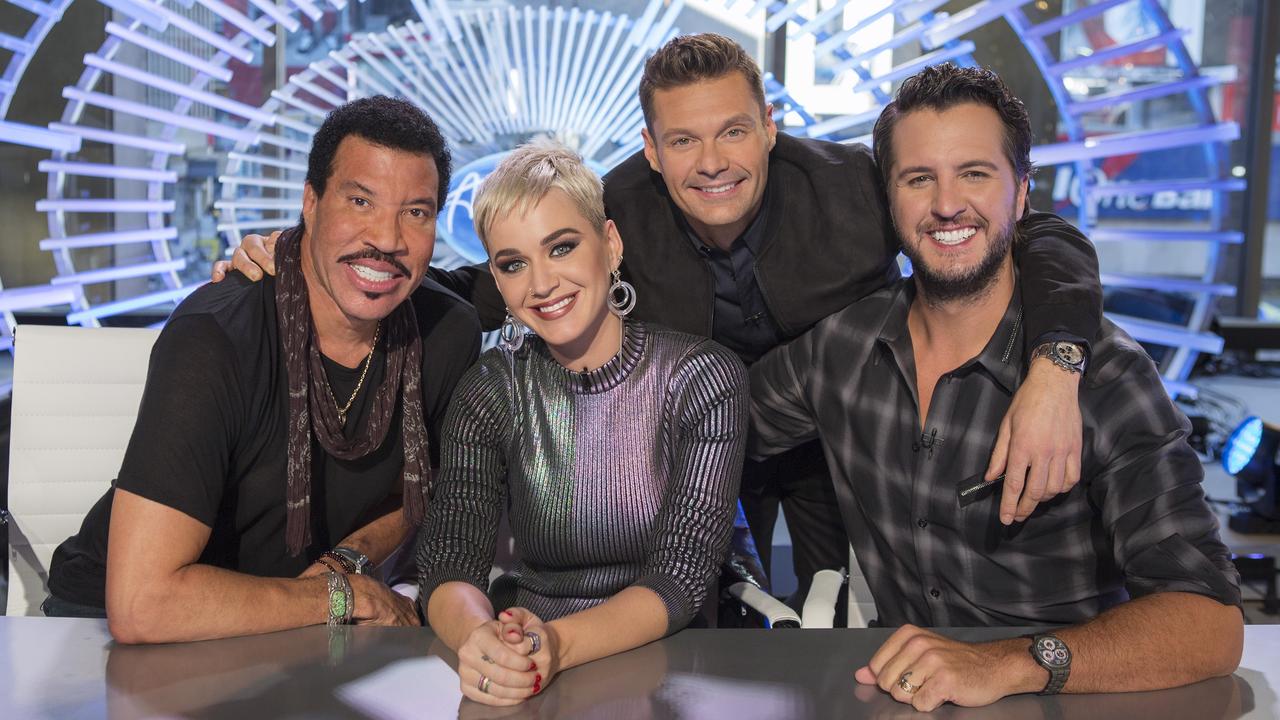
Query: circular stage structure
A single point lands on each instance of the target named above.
(517, 72)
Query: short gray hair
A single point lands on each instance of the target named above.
(525, 176)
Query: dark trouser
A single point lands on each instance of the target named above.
(53, 607)
(797, 480)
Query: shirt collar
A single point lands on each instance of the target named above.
(752, 237)
(1001, 358)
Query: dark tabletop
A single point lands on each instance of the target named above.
(65, 669)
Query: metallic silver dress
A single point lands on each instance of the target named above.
(625, 475)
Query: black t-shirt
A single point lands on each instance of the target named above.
(210, 438)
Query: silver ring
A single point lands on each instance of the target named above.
(483, 685)
(534, 640)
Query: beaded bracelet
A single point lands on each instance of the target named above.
(347, 566)
(341, 599)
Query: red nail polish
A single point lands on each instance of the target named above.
(537, 689)
(533, 666)
(537, 679)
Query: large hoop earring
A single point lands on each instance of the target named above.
(621, 306)
(511, 334)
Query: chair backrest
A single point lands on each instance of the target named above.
(75, 399)
(862, 604)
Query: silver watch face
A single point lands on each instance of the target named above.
(1052, 652)
(358, 559)
(1069, 352)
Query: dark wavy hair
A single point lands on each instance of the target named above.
(689, 59)
(389, 122)
(941, 87)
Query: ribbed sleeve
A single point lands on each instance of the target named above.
(691, 533)
(459, 532)
(626, 475)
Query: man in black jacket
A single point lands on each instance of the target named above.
(749, 236)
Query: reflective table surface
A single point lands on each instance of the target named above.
(67, 668)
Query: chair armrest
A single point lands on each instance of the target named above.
(820, 605)
(775, 611)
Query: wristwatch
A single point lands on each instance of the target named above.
(358, 560)
(1067, 355)
(1053, 655)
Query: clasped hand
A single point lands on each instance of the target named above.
(498, 664)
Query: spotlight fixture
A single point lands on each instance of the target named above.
(1250, 455)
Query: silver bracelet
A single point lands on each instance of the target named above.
(341, 599)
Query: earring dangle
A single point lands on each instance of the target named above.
(622, 295)
(511, 334)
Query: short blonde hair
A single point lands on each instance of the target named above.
(525, 176)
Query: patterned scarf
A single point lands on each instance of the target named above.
(311, 406)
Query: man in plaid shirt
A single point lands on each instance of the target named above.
(906, 389)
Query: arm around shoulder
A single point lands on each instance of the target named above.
(1061, 289)
(1038, 447)
(474, 283)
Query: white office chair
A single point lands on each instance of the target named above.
(75, 399)
(820, 604)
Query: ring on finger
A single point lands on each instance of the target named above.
(535, 640)
(906, 686)
(484, 683)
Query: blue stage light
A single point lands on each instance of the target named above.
(1242, 445)
(1250, 455)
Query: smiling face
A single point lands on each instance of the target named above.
(370, 236)
(710, 141)
(954, 198)
(552, 268)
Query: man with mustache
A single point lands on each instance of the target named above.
(1122, 564)
(749, 236)
(284, 443)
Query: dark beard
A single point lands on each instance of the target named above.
(938, 289)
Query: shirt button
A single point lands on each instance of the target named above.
(922, 523)
(935, 593)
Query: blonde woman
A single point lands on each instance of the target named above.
(615, 446)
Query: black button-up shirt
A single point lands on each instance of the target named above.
(741, 320)
(1136, 524)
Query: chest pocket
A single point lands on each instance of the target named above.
(1047, 557)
